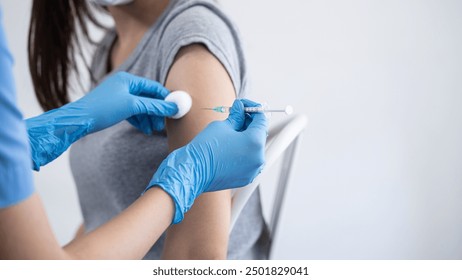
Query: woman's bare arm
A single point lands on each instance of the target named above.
(26, 234)
(204, 232)
(80, 231)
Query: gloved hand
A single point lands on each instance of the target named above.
(226, 154)
(121, 96)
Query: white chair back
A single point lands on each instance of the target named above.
(283, 141)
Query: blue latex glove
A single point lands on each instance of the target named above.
(121, 96)
(226, 154)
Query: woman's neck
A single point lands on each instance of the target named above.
(131, 23)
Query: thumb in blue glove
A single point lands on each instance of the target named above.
(226, 154)
(121, 96)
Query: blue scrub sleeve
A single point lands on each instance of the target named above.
(16, 182)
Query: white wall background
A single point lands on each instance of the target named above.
(379, 173)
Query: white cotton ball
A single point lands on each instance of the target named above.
(183, 100)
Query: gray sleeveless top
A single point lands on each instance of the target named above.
(112, 167)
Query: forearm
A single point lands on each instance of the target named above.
(26, 234)
(129, 235)
(80, 231)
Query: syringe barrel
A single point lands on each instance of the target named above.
(254, 109)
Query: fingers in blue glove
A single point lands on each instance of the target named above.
(240, 120)
(144, 87)
(249, 117)
(157, 107)
(256, 129)
(143, 123)
(237, 115)
(151, 113)
(259, 124)
(150, 107)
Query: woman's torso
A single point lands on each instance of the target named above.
(112, 167)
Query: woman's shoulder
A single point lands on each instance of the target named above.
(202, 22)
(199, 18)
(196, 10)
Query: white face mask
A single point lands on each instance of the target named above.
(111, 2)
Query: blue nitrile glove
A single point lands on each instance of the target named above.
(121, 96)
(226, 154)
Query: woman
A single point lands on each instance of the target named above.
(24, 229)
(187, 45)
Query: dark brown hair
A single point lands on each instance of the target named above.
(56, 35)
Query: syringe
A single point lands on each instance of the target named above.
(225, 109)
